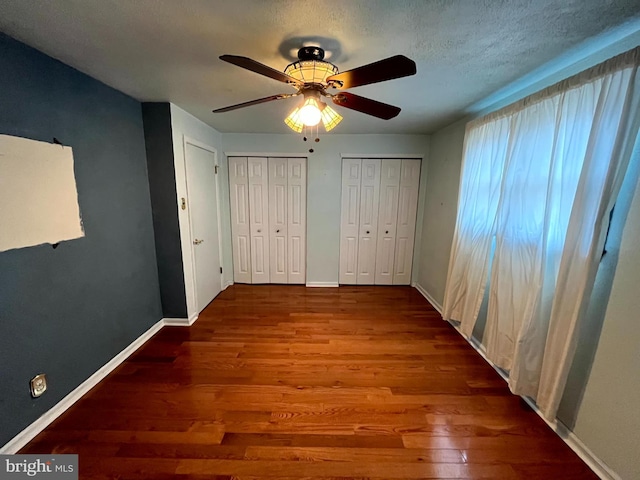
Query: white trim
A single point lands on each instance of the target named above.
(322, 284)
(29, 433)
(180, 322)
(227, 284)
(598, 466)
(429, 298)
(421, 156)
(270, 154)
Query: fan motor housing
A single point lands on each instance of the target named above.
(311, 53)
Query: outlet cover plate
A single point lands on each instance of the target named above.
(38, 385)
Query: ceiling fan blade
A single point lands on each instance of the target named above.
(258, 67)
(387, 69)
(366, 105)
(254, 102)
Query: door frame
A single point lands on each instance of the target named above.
(190, 280)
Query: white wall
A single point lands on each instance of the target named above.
(608, 418)
(324, 183)
(439, 216)
(184, 124)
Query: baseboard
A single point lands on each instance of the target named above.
(598, 466)
(180, 322)
(429, 298)
(323, 284)
(227, 284)
(26, 435)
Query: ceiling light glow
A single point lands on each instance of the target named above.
(310, 112)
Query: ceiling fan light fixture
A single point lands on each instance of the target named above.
(311, 67)
(311, 76)
(330, 118)
(311, 71)
(309, 113)
(293, 120)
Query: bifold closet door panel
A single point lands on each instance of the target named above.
(259, 218)
(369, 201)
(297, 220)
(240, 228)
(406, 225)
(387, 216)
(350, 220)
(278, 172)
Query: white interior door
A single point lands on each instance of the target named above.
(350, 220)
(369, 199)
(240, 229)
(297, 220)
(387, 220)
(259, 218)
(278, 173)
(406, 227)
(203, 216)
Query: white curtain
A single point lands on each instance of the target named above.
(539, 179)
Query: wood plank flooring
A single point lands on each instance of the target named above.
(294, 382)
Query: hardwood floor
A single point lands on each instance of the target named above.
(294, 382)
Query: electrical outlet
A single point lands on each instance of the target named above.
(38, 385)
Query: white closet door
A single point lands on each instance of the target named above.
(278, 172)
(259, 218)
(240, 230)
(407, 208)
(350, 220)
(369, 198)
(387, 220)
(297, 220)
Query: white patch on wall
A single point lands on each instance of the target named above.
(38, 196)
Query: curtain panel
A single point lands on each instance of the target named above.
(539, 179)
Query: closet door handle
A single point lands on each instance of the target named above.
(368, 232)
(278, 231)
(387, 232)
(259, 231)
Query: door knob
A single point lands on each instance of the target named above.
(367, 232)
(387, 232)
(259, 231)
(197, 242)
(278, 231)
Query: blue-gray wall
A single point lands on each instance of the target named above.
(66, 312)
(162, 182)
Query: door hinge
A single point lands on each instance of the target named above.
(220, 269)
(216, 169)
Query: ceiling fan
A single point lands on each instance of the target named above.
(312, 76)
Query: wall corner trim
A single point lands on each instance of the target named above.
(428, 296)
(180, 322)
(322, 284)
(29, 433)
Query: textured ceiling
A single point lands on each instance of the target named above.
(167, 50)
